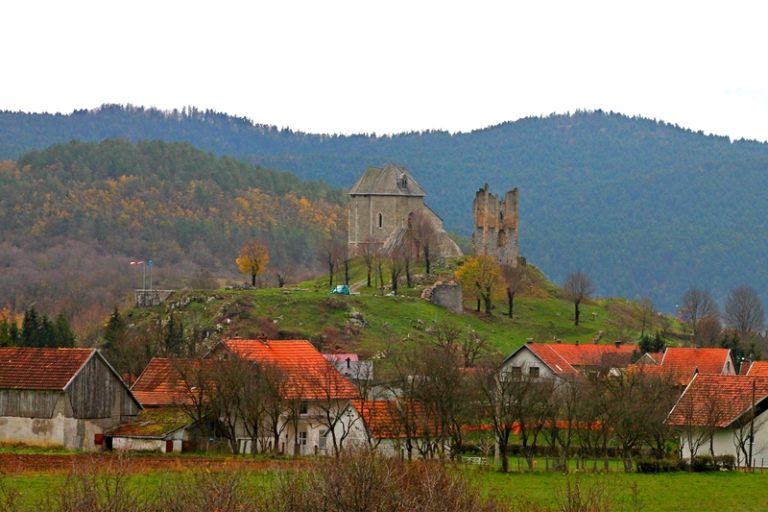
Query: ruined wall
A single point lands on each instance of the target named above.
(496, 226)
(448, 296)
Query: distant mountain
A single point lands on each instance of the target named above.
(74, 215)
(646, 208)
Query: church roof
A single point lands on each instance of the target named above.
(390, 180)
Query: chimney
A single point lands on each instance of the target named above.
(577, 342)
(529, 341)
(617, 343)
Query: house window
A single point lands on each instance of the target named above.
(303, 407)
(516, 371)
(323, 440)
(533, 371)
(303, 438)
(381, 220)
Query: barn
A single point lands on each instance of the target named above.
(65, 397)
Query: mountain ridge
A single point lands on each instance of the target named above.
(646, 207)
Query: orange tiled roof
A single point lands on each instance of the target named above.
(162, 384)
(758, 369)
(384, 421)
(566, 358)
(40, 368)
(708, 361)
(671, 375)
(310, 375)
(717, 400)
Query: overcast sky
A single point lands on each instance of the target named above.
(360, 66)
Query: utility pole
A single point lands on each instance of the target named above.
(752, 427)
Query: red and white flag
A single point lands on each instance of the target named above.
(137, 262)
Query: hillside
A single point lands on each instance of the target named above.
(72, 217)
(644, 207)
(369, 322)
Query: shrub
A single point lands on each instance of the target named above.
(703, 463)
(366, 482)
(725, 462)
(657, 466)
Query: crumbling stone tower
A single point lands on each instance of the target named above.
(496, 231)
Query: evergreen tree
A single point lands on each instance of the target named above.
(30, 329)
(5, 334)
(64, 337)
(47, 333)
(14, 334)
(174, 335)
(114, 330)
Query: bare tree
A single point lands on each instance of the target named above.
(578, 288)
(514, 278)
(334, 253)
(709, 332)
(424, 235)
(369, 252)
(332, 394)
(695, 305)
(744, 312)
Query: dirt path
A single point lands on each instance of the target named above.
(11, 463)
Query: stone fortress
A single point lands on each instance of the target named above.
(382, 202)
(496, 226)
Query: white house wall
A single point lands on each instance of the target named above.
(59, 431)
(526, 359)
(724, 443)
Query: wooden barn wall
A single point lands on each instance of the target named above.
(92, 392)
(28, 403)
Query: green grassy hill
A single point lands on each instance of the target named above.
(332, 322)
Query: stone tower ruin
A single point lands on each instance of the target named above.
(496, 226)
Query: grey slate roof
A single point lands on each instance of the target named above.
(386, 181)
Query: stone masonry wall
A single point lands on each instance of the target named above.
(496, 226)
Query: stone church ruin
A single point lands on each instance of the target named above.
(384, 204)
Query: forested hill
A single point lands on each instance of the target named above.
(644, 207)
(72, 217)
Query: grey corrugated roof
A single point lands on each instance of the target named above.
(386, 181)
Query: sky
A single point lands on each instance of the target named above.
(387, 67)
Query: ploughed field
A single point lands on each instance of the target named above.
(19, 463)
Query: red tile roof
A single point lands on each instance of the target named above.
(385, 421)
(162, 382)
(708, 361)
(40, 368)
(566, 358)
(310, 375)
(717, 400)
(758, 369)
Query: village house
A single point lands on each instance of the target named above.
(680, 364)
(66, 397)
(351, 366)
(167, 424)
(561, 360)
(719, 414)
(318, 394)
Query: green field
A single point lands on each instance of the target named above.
(676, 492)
